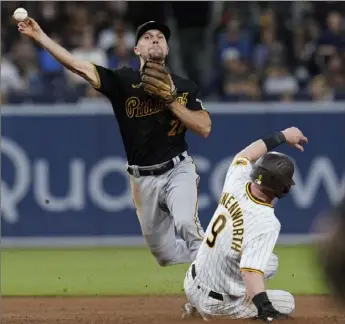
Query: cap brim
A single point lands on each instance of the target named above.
(164, 29)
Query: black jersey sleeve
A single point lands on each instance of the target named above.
(108, 80)
(194, 101)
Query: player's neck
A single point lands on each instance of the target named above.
(258, 194)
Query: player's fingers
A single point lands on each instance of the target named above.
(150, 88)
(154, 82)
(155, 66)
(149, 80)
(304, 139)
(155, 73)
(299, 147)
(30, 21)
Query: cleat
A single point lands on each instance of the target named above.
(188, 311)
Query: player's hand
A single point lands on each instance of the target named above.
(268, 314)
(30, 28)
(295, 137)
(156, 80)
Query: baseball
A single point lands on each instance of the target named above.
(20, 14)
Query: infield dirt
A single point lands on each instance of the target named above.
(140, 310)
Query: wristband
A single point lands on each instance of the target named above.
(260, 299)
(274, 140)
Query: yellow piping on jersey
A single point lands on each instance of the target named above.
(252, 198)
(98, 78)
(241, 161)
(252, 270)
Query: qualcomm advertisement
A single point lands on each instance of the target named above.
(64, 175)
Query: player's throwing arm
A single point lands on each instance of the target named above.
(30, 28)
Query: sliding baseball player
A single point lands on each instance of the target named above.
(228, 276)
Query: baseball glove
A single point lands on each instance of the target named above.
(156, 80)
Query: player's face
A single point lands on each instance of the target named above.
(152, 45)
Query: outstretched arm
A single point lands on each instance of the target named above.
(293, 136)
(85, 69)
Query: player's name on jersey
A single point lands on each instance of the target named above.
(235, 212)
(147, 107)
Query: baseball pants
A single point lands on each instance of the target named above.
(235, 307)
(166, 202)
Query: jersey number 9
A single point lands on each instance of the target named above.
(217, 226)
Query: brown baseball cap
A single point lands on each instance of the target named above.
(142, 29)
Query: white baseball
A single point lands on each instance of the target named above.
(20, 14)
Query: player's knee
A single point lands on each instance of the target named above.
(163, 257)
(188, 226)
(291, 300)
(288, 306)
(164, 261)
(183, 223)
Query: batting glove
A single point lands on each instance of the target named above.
(266, 311)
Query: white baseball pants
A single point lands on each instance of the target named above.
(235, 307)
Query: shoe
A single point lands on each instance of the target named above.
(188, 311)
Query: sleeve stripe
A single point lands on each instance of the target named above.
(241, 161)
(98, 78)
(252, 270)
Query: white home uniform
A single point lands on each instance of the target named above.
(240, 237)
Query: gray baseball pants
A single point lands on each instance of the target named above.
(166, 202)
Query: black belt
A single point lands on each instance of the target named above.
(158, 171)
(212, 293)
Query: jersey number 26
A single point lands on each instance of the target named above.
(217, 226)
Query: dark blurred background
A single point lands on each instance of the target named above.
(234, 51)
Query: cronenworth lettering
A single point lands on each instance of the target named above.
(236, 214)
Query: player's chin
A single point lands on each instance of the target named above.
(156, 55)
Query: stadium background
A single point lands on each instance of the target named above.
(68, 223)
(235, 51)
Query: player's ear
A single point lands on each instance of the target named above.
(136, 50)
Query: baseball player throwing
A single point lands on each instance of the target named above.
(228, 276)
(153, 109)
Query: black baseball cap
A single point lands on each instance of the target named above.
(142, 29)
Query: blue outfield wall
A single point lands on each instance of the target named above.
(73, 157)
